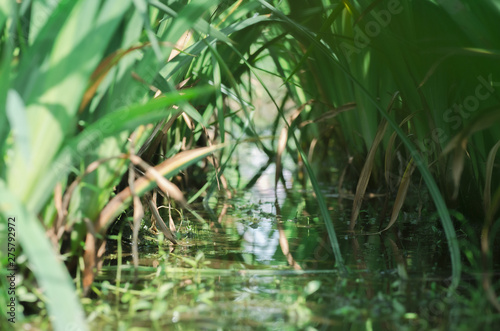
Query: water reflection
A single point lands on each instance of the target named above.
(261, 241)
(267, 264)
(262, 238)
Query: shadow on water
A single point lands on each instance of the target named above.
(263, 261)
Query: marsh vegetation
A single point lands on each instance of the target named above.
(260, 164)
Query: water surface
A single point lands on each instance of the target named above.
(262, 260)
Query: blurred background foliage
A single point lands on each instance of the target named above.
(361, 93)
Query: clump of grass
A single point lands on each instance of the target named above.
(85, 82)
(98, 112)
(439, 61)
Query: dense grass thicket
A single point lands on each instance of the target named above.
(108, 106)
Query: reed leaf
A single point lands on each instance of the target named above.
(401, 195)
(280, 148)
(365, 174)
(50, 106)
(389, 150)
(364, 177)
(62, 303)
(490, 162)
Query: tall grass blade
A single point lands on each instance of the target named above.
(323, 209)
(326, 25)
(142, 8)
(389, 152)
(219, 102)
(62, 302)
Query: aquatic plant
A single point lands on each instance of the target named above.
(103, 106)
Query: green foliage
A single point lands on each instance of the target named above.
(371, 50)
(87, 85)
(79, 78)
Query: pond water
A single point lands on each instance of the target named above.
(262, 260)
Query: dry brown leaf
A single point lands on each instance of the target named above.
(181, 44)
(279, 152)
(330, 114)
(364, 177)
(159, 220)
(479, 123)
(402, 191)
(457, 168)
(489, 172)
(165, 185)
(113, 208)
(390, 146)
(102, 70)
(89, 259)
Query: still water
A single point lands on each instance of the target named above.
(262, 260)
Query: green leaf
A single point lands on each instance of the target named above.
(16, 113)
(63, 305)
(52, 78)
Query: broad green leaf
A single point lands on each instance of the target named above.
(52, 91)
(62, 303)
(41, 10)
